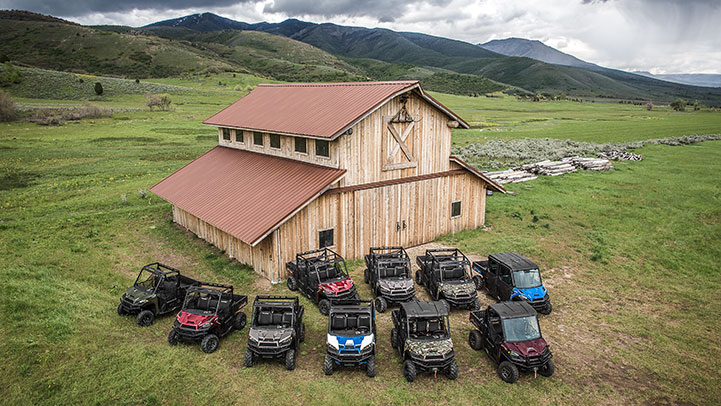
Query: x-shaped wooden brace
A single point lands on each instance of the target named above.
(400, 143)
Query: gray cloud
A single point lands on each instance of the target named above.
(383, 10)
(77, 8)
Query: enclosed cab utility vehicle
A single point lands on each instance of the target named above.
(389, 274)
(158, 289)
(322, 276)
(510, 276)
(210, 311)
(421, 335)
(351, 338)
(510, 335)
(276, 330)
(445, 274)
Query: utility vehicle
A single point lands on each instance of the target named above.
(421, 335)
(511, 276)
(210, 311)
(351, 338)
(276, 330)
(445, 274)
(510, 335)
(322, 276)
(389, 274)
(158, 289)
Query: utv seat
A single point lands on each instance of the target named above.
(287, 318)
(277, 318)
(203, 303)
(421, 327)
(453, 273)
(352, 322)
(265, 318)
(364, 323)
(338, 322)
(434, 327)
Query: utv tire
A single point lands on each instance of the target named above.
(292, 284)
(547, 309)
(324, 307)
(478, 280)
(547, 369)
(121, 312)
(328, 365)
(371, 367)
(409, 370)
(394, 338)
(419, 279)
(173, 337)
(145, 318)
(290, 360)
(508, 372)
(210, 343)
(240, 321)
(452, 370)
(475, 305)
(301, 332)
(381, 304)
(475, 340)
(248, 359)
(365, 275)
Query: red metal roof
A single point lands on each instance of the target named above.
(323, 110)
(245, 194)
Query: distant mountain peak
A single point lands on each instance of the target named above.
(535, 49)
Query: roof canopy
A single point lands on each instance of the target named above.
(245, 194)
(514, 260)
(512, 310)
(416, 308)
(321, 110)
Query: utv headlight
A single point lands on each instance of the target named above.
(515, 356)
(332, 342)
(252, 340)
(367, 342)
(285, 340)
(385, 289)
(206, 325)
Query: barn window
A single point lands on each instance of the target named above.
(322, 148)
(301, 145)
(325, 238)
(226, 134)
(238, 136)
(258, 138)
(275, 141)
(456, 209)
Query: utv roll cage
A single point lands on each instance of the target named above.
(386, 257)
(323, 261)
(450, 263)
(157, 269)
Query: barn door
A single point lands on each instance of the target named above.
(399, 139)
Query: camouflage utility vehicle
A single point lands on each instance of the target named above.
(276, 330)
(421, 334)
(389, 274)
(210, 311)
(158, 289)
(445, 274)
(351, 339)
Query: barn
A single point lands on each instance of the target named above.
(341, 165)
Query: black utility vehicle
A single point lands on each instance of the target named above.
(351, 338)
(389, 274)
(158, 289)
(322, 276)
(421, 334)
(210, 311)
(444, 273)
(511, 276)
(276, 330)
(510, 335)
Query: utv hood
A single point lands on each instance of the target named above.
(270, 334)
(395, 283)
(137, 295)
(337, 287)
(531, 294)
(427, 348)
(528, 348)
(458, 288)
(194, 320)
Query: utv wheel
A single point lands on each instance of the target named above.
(419, 280)
(292, 284)
(240, 321)
(173, 337)
(121, 311)
(248, 359)
(209, 343)
(478, 280)
(475, 305)
(328, 365)
(547, 369)
(145, 318)
(547, 309)
(409, 370)
(290, 360)
(301, 332)
(371, 367)
(508, 372)
(381, 304)
(324, 307)
(475, 339)
(452, 370)
(394, 338)
(365, 275)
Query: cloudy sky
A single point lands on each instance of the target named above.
(660, 36)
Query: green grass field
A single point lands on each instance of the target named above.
(630, 258)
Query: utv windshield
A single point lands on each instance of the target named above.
(147, 280)
(521, 329)
(350, 324)
(436, 327)
(530, 278)
(201, 303)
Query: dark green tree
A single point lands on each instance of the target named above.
(98, 88)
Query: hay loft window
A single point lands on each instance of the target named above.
(456, 209)
(258, 138)
(325, 238)
(322, 148)
(301, 145)
(239, 136)
(275, 141)
(226, 134)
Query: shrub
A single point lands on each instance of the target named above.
(159, 101)
(649, 106)
(8, 111)
(58, 116)
(679, 105)
(98, 88)
(9, 75)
